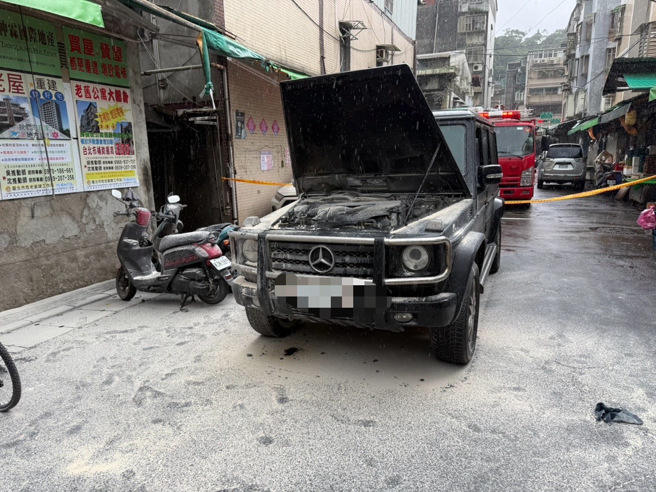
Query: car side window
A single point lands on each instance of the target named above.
(483, 147)
(493, 148)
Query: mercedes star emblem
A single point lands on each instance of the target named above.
(322, 260)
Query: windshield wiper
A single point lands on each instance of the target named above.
(439, 145)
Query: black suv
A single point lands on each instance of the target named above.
(398, 222)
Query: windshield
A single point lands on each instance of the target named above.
(514, 140)
(455, 137)
(565, 152)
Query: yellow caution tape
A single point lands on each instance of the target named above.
(252, 181)
(581, 195)
(508, 202)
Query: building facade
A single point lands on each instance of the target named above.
(462, 25)
(515, 85)
(591, 49)
(445, 80)
(545, 75)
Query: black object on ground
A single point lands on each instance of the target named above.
(610, 415)
(291, 351)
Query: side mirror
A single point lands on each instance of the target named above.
(173, 199)
(490, 174)
(117, 194)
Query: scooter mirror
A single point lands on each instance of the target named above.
(117, 194)
(173, 199)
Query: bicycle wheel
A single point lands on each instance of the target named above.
(10, 386)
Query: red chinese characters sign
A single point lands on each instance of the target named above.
(95, 58)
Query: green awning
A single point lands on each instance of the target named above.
(217, 42)
(79, 10)
(584, 126)
(638, 81)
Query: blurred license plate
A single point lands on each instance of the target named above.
(564, 166)
(325, 294)
(221, 263)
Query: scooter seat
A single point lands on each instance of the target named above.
(173, 240)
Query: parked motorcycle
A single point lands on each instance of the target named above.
(187, 264)
(176, 226)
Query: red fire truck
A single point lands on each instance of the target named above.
(516, 148)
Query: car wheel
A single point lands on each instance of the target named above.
(540, 184)
(270, 326)
(456, 343)
(579, 185)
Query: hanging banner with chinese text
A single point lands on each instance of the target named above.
(36, 150)
(104, 121)
(18, 34)
(95, 58)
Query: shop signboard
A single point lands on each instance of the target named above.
(95, 58)
(36, 150)
(20, 33)
(104, 119)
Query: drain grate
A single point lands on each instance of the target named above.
(618, 231)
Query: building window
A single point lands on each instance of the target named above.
(389, 6)
(588, 30)
(344, 47)
(610, 57)
(471, 23)
(585, 61)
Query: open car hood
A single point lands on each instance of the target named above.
(368, 130)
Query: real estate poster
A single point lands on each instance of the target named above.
(95, 58)
(36, 150)
(104, 119)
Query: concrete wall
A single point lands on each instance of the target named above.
(50, 245)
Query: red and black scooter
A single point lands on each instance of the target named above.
(187, 264)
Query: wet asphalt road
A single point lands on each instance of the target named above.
(151, 398)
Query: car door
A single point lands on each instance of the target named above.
(486, 154)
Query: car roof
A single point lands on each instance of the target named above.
(460, 114)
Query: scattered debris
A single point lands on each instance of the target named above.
(291, 351)
(610, 415)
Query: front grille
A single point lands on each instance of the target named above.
(350, 260)
(509, 181)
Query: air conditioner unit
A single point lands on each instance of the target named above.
(477, 67)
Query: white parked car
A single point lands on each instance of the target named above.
(284, 196)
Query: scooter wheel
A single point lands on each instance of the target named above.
(124, 287)
(218, 295)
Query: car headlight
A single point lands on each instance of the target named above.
(249, 250)
(415, 258)
(278, 196)
(527, 178)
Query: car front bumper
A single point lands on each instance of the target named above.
(431, 311)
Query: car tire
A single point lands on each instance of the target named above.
(496, 263)
(540, 184)
(456, 343)
(270, 326)
(579, 185)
